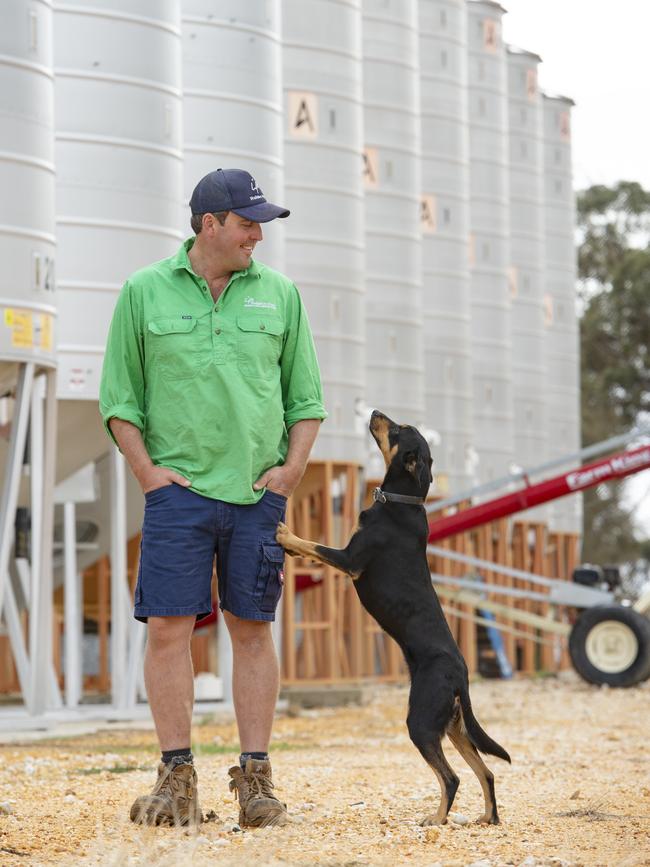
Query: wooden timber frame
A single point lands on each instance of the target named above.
(327, 637)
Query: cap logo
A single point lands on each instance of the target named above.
(255, 190)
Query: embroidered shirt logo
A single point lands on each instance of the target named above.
(266, 305)
(186, 316)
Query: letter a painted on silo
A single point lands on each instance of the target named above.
(428, 215)
(370, 168)
(303, 114)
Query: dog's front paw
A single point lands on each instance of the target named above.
(282, 533)
(283, 536)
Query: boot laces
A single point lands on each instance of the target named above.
(252, 786)
(263, 785)
(172, 783)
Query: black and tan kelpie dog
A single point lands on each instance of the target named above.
(387, 558)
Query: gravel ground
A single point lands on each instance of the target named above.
(578, 791)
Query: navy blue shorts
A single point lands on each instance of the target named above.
(182, 532)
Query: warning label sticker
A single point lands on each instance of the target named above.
(22, 328)
(29, 330)
(47, 330)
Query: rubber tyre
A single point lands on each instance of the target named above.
(588, 640)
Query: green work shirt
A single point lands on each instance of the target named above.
(213, 386)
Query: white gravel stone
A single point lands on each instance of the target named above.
(459, 819)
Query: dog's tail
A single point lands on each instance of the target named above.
(481, 739)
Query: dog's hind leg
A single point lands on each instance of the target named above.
(458, 736)
(427, 720)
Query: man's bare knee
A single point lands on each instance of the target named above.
(169, 632)
(251, 635)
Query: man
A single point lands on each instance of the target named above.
(211, 390)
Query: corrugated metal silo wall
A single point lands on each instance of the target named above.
(325, 232)
(526, 257)
(27, 239)
(119, 164)
(562, 352)
(445, 234)
(232, 100)
(392, 160)
(489, 206)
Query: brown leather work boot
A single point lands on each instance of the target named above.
(174, 800)
(258, 806)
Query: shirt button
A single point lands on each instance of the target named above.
(217, 331)
(262, 327)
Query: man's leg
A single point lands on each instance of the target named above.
(255, 681)
(169, 679)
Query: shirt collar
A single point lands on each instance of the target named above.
(181, 261)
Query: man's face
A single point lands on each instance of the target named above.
(235, 241)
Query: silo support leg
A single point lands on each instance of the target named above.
(120, 596)
(15, 457)
(43, 692)
(134, 673)
(72, 609)
(16, 639)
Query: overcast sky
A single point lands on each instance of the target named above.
(595, 52)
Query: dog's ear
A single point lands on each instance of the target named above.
(410, 461)
(415, 464)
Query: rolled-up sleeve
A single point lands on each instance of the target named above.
(121, 391)
(302, 391)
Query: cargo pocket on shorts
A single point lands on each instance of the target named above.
(270, 577)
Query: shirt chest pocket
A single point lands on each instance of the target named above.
(259, 346)
(174, 345)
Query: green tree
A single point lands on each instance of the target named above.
(614, 285)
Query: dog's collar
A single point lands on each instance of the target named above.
(380, 496)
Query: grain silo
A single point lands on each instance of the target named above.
(526, 258)
(445, 234)
(489, 242)
(391, 100)
(27, 344)
(119, 165)
(27, 238)
(562, 352)
(232, 100)
(323, 173)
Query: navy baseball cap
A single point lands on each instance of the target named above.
(233, 190)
